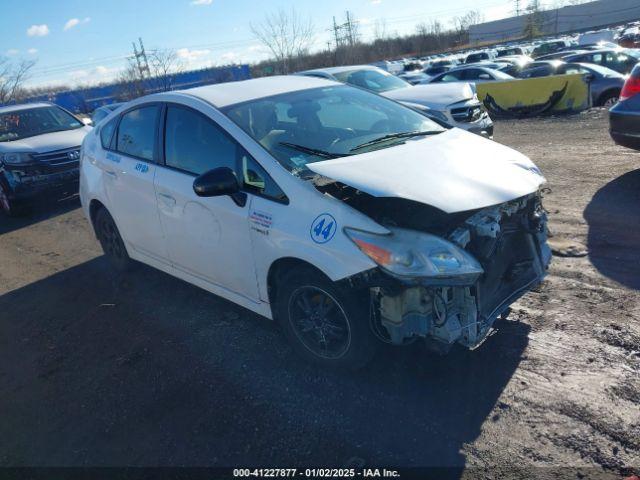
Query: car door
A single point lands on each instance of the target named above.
(206, 237)
(130, 165)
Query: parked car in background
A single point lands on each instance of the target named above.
(624, 117)
(542, 68)
(604, 84)
(601, 36)
(39, 153)
(512, 51)
(560, 55)
(482, 56)
(550, 47)
(346, 217)
(509, 65)
(630, 38)
(102, 112)
(620, 60)
(439, 66)
(455, 105)
(471, 74)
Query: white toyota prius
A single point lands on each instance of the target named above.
(345, 216)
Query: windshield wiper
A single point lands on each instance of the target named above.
(393, 136)
(313, 151)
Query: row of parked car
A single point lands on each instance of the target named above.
(39, 143)
(605, 69)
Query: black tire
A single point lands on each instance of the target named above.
(610, 97)
(338, 316)
(11, 208)
(111, 241)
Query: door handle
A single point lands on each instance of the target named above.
(167, 199)
(111, 174)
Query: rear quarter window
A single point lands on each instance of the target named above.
(106, 133)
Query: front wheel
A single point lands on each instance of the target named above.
(10, 207)
(326, 325)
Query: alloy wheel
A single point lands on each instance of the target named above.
(319, 322)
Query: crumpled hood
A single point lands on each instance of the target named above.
(433, 95)
(454, 171)
(47, 142)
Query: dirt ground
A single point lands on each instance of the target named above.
(102, 370)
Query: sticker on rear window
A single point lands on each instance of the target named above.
(323, 228)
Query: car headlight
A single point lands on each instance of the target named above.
(411, 254)
(15, 158)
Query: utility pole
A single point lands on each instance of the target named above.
(517, 2)
(141, 59)
(336, 35)
(349, 27)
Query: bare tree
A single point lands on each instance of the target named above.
(135, 81)
(462, 23)
(12, 78)
(380, 30)
(163, 65)
(131, 82)
(286, 34)
(534, 21)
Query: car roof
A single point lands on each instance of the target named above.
(24, 106)
(224, 94)
(601, 50)
(334, 70)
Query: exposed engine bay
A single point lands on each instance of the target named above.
(508, 240)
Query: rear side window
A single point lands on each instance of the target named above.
(137, 132)
(195, 144)
(106, 133)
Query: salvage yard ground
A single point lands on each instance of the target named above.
(97, 369)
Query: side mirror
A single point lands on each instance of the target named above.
(216, 183)
(590, 77)
(87, 121)
(219, 182)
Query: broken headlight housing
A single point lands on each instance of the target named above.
(15, 158)
(415, 255)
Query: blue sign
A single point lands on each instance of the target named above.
(323, 228)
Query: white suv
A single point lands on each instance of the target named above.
(349, 218)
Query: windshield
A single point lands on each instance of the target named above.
(35, 121)
(308, 126)
(374, 80)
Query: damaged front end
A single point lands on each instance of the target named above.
(487, 260)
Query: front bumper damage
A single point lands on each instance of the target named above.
(509, 241)
(47, 175)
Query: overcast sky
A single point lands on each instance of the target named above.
(85, 41)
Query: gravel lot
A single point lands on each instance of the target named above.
(102, 370)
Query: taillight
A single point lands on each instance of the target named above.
(631, 87)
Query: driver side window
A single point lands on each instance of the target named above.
(194, 144)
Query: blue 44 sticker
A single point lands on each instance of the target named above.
(323, 228)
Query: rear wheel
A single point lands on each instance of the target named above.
(326, 325)
(609, 99)
(111, 241)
